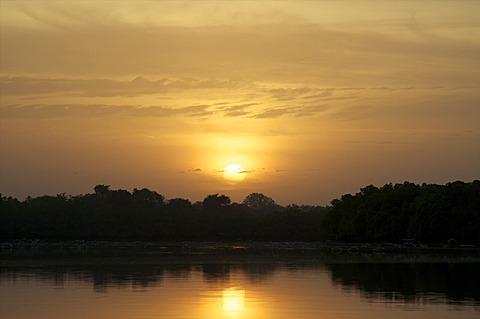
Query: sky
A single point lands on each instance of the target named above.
(314, 99)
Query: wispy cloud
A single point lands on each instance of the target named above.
(252, 102)
(273, 113)
(287, 94)
(291, 111)
(195, 170)
(89, 110)
(24, 86)
(221, 171)
(236, 110)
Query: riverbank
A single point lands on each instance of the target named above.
(409, 250)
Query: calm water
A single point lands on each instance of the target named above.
(239, 286)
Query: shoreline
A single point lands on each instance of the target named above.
(36, 244)
(80, 251)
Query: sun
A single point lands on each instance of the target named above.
(234, 173)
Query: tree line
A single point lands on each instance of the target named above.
(425, 213)
(143, 214)
(428, 212)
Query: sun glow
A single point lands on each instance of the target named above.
(234, 173)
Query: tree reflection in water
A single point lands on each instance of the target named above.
(405, 282)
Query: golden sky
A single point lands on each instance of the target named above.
(314, 99)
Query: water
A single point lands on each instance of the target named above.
(270, 285)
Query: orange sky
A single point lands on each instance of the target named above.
(313, 98)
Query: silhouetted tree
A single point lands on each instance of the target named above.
(428, 213)
(215, 202)
(147, 198)
(179, 204)
(260, 202)
(102, 191)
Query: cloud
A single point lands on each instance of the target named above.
(195, 170)
(311, 110)
(314, 95)
(158, 111)
(231, 108)
(287, 94)
(273, 113)
(291, 111)
(408, 105)
(236, 110)
(221, 171)
(22, 86)
(322, 94)
(337, 55)
(45, 111)
(236, 113)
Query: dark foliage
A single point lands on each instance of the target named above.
(143, 214)
(411, 282)
(427, 213)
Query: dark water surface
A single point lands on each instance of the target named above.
(235, 283)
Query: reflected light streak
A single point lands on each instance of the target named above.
(233, 302)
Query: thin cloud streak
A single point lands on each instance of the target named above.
(353, 57)
(344, 105)
(195, 170)
(43, 111)
(21, 86)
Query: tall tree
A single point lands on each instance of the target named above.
(260, 202)
(215, 202)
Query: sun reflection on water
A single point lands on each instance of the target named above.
(233, 302)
